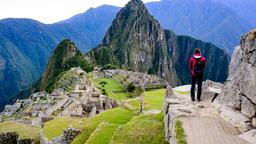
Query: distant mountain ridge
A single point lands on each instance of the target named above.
(26, 45)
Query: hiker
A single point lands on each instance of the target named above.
(197, 65)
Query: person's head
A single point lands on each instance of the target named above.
(197, 51)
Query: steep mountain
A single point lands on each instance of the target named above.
(203, 19)
(136, 41)
(24, 47)
(64, 57)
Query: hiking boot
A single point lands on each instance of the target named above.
(193, 99)
(198, 100)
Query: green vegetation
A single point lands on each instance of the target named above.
(116, 116)
(24, 131)
(103, 134)
(180, 134)
(131, 87)
(55, 127)
(109, 66)
(152, 100)
(143, 129)
(118, 125)
(113, 88)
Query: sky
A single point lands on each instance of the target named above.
(50, 11)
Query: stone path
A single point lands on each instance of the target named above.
(202, 123)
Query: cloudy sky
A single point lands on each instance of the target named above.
(50, 11)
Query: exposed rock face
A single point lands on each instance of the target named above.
(239, 91)
(137, 41)
(237, 100)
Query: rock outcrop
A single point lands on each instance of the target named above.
(237, 100)
(239, 91)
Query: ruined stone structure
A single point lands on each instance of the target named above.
(84, 100)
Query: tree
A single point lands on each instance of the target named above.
(103, 83)
(131, 87)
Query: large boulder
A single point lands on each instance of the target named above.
(239, 91)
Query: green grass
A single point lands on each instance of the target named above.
(116, 116)
(24, 131)
(112, 88)
(143, 129)
(152, 100)
(180, 134)
(103, 134)
(111, 126)
(55, 127)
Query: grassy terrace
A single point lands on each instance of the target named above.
(25, 132)
(113, 88)
(120, 125)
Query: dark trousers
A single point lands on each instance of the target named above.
(197, 78)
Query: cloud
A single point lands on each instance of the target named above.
(50, 11)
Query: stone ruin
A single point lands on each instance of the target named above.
(84, 101)
(13, 138)
(139, 79)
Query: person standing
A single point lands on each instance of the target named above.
(197, 65)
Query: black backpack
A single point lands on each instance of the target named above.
(199, 66)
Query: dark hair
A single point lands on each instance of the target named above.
(197, 51)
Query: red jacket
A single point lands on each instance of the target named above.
(192, 62)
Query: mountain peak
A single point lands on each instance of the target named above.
(133, 7)
(65, 56)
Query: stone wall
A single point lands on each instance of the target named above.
(68, 136)
(13, 138)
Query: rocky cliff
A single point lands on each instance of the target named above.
(136, 41)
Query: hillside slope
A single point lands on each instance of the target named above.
(64, 57)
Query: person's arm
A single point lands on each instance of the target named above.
(191, 65)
